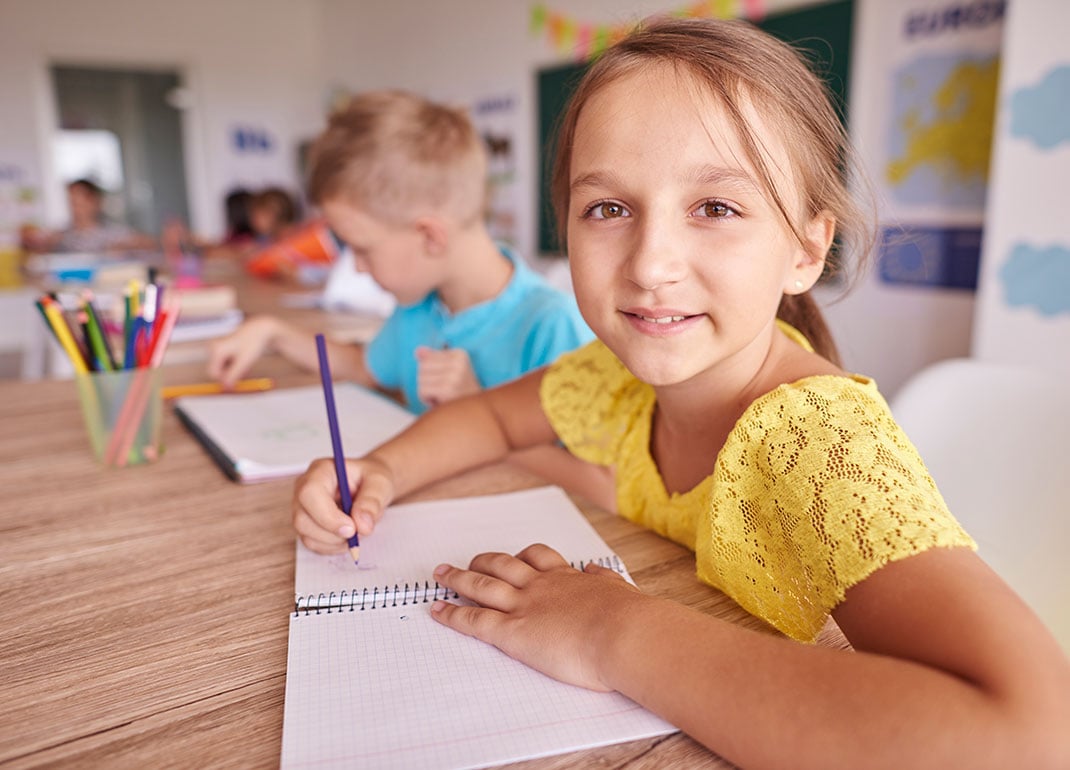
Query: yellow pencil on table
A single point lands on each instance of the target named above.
(209, 388)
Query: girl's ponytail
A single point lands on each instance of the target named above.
(802, 312)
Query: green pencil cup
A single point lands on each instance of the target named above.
(123, 414)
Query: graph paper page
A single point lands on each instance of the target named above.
(387, 686)
(392, 688)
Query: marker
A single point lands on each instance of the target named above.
(336, 443)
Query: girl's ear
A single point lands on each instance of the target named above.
(434, 236)
(810, 259)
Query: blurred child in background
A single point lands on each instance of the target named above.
(90, 231)
(402, 182)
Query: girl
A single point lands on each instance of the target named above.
(699, 185)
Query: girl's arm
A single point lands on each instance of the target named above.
(951, 669)
(451, 438)
(557, 466)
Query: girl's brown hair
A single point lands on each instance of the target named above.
(739, 64)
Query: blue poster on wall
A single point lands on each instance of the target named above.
(930, 256)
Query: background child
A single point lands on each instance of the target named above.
(272, 212)
(699, 186)
(402, 182)
(90, 230)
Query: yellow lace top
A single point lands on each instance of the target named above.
(815, 488)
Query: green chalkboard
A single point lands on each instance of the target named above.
(822, 32)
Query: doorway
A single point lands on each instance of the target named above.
(122, 129)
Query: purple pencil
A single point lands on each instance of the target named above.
(336, 442)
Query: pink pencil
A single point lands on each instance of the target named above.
(130, 416)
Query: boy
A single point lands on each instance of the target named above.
(402, 181)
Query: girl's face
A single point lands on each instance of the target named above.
(679, 258)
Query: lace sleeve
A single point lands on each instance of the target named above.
(591, 400)
(817, 488)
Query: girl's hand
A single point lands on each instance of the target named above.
(539, 610)
(443, 375)
(317, 517)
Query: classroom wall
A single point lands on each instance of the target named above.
(1023, 303)
(250, 64)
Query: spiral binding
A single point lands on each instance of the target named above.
(402, 595)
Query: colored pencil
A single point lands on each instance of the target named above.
(63, 334)
(336, 443)
(126, 427)
(101, 333)
(95, 336)
(211, 388)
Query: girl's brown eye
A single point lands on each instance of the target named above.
(715, 210)
(610, 210)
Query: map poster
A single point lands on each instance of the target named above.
(931, 164)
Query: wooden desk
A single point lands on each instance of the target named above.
(145, 609)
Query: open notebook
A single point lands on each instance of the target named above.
(257, 436)
(373, 682)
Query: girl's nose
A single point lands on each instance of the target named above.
(654, 259)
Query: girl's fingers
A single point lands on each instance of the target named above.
(542, 557)
(373, 494)
(326, 547)
(309, 530)
(478, 622)
(481, 588)
(511, 569)
(316, 496)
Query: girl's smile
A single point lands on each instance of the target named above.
(660, 322)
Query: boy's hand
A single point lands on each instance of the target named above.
(317, 515)
(539, 610)
(443, 375)
(232, 356)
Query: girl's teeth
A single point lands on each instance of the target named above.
(665, 320)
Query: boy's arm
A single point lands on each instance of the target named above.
(232, 356)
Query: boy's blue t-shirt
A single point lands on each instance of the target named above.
(528, 325)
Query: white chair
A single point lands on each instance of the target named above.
(994, 437)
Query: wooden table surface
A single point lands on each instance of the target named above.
(144, 610)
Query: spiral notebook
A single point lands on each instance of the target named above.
(259, 436)
(373, 682)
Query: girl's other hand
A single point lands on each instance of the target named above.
(538, 609)
(316, 513)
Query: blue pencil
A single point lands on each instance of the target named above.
(336, 442)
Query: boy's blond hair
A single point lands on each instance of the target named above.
(398, 156)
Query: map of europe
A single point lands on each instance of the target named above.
(943, 109)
